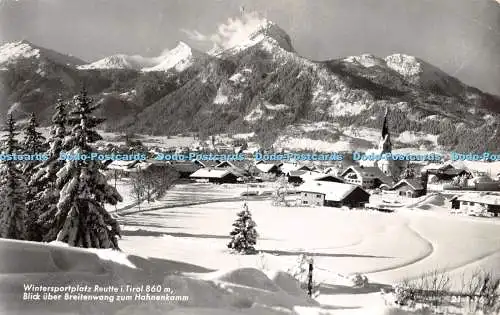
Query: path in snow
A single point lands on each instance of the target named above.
(388, 246)
(429, 252)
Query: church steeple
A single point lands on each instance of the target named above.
(385, 142)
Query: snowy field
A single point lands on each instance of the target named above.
(186, 194)
(184, 248)
(386, 247)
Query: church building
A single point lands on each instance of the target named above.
(385, 147)
(390, 168)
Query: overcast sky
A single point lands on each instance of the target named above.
(462, 37)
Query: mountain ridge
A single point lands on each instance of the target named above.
(261, 84)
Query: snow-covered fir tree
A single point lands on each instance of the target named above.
(244, 235)
(81, 219)
(13, 215)
(43, 180)
(33, 144)
(281, 192)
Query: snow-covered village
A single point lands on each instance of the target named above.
(244, 177)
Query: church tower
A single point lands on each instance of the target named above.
(385, 145)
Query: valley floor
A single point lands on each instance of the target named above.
(387, 247)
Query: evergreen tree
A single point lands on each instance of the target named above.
(34, 146)
(13, 214)
(81, 219)
(42, 182)
(408, 173)
(244, 235)
(33, 143)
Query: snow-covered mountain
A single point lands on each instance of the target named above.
(178, 58)
(11, 53)
(120, 61)
(265, 33)
(419, 72)
(410, 70)
(256, 82)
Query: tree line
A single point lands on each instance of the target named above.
(54, 199)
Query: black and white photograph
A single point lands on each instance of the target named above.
(250, 157)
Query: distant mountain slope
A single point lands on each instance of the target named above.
(179, 58)
(258, 84)
(13, 52)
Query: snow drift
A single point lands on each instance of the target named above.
(241, 291)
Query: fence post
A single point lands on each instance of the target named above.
(310, 278)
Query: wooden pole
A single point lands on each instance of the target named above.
(310, 278)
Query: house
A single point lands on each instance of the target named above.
(445, 172)
(331, 170)
(126, 167)
(411, 188)
(268, 168)
(366, 177)
(483, 182)
(295, 177)
(117, 168)
(150, 165)
(218, 176)
(329, 178)
(288, 167)
(210, 163)
(239, 168)
(317, 176)
(185, 169)
(477, 203)
(331, 194)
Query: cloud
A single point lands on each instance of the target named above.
(195, 35)
(232, 32)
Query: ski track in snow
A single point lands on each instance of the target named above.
(430, 250)
(420, 246)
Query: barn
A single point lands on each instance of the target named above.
(477, 203)
(411, 188)
(332, 194)
(219, 176)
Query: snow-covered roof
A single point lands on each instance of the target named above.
(328, 177)
(119, 165)
(485, 198)
(368, 172)
(211, 173)
(297, 173)
(331, 170)
(414, 184)
(265, 167)
(235, 164)
(206, 163)
(332, 191)
(439, 167)
(311, 175)
(288, 167)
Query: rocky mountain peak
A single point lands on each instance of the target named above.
(273, 33)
